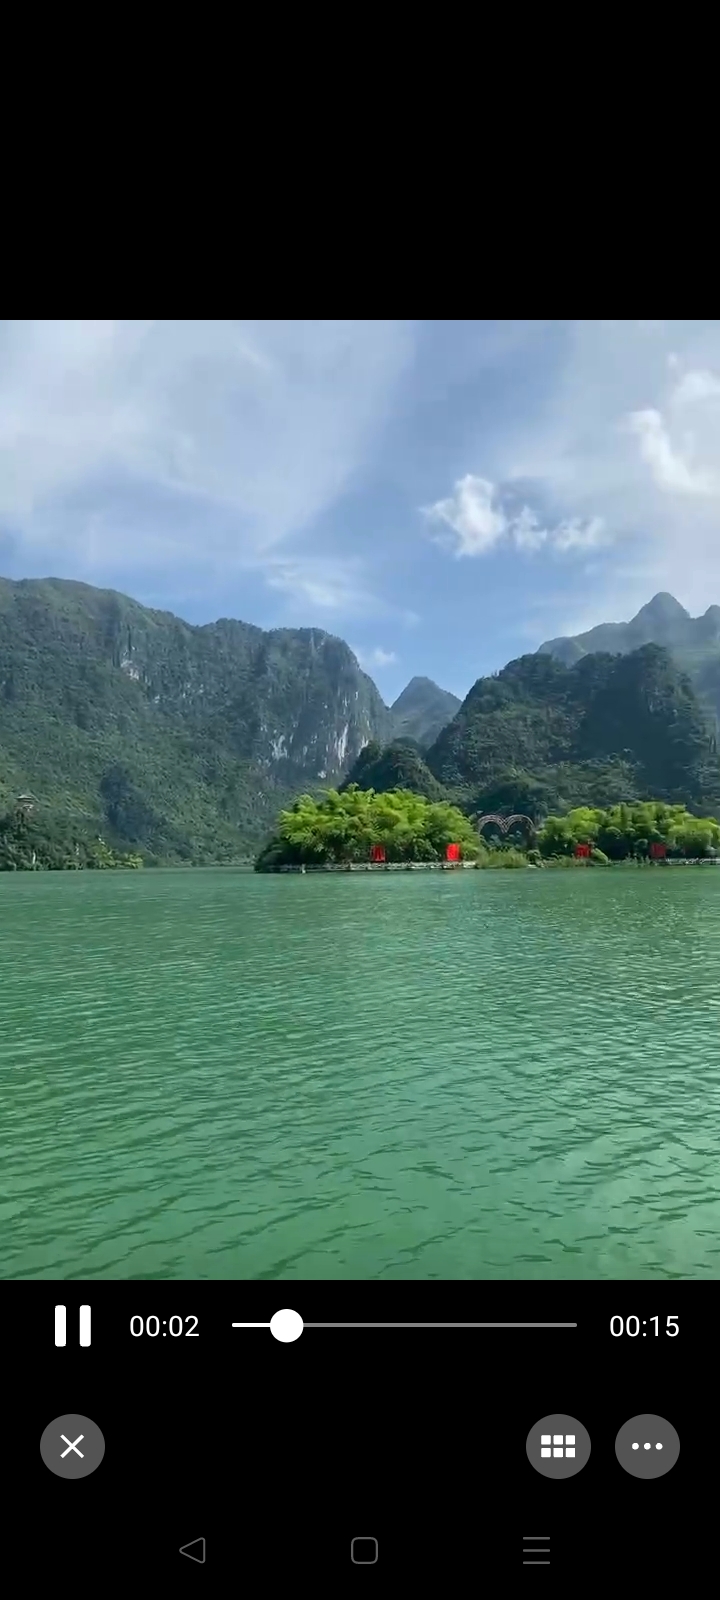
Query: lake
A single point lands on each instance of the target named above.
(211, 1074)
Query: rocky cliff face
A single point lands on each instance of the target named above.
(92, 682)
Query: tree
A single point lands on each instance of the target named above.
(625, 831)
(557, 837)
(37, 843)
(342, 827)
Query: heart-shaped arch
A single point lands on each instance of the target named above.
(505, 823)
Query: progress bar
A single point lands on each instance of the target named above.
(439, 1324)
(288, 1325)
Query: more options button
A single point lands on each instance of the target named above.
(647, 1446)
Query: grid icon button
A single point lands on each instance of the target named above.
(561, 1443)
(558, 1446)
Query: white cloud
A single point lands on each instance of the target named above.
(318, 581)
(322, 583)
(180, 456)
(478, 521)
(527, 532)
(671, 468)
(654, 483)
(696, 386)
(231, 436)
(471, 516)
(375, 658)
(574, 534)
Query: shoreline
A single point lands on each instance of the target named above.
(378, 866)
(551, 863)
(473, 866)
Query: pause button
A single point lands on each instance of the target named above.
(84, 1326)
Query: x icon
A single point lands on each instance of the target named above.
(71, 1446)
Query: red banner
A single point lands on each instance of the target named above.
(452, 852)
(658, 851)
(377, 852)
(582, 849)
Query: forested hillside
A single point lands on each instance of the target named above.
(609, 729)
(399, 765)
(176, 740)
(693, 642)
(541, 737)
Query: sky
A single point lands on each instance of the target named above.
(443, 495)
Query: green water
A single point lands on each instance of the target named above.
(446, 1075)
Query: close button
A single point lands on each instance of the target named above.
(72, 1446)
(364, 1551)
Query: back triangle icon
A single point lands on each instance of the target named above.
(195, 1550)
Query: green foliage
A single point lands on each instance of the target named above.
(623, 832)
(507, 856)
(399, 766)
(557, 838)
(568, 862)
(35, 844)
(516, 792)
(344, 827)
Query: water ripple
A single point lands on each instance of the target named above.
(474, 1075)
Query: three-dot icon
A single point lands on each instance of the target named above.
(647, 1446)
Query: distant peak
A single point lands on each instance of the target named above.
(419, 685)
(663, 605)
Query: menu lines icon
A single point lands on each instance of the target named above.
(536, 1550)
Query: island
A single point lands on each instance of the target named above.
(362, 828)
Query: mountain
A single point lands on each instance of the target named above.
(693, 641)
(608, 729)
(422, 711)
(399, 765)
(183, 741)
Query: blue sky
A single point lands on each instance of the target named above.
(443, 495)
